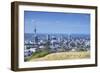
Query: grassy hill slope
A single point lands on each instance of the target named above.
(63, 56)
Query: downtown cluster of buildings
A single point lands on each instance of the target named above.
(55, 43)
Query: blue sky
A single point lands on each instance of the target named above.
(56, 22)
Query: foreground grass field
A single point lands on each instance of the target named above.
(63, 56)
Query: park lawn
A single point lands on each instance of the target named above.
(62, 56)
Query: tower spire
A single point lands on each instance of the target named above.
(35, 35)
(35, 29)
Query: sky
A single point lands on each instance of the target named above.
(56, 22)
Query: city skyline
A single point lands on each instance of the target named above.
(56, 22)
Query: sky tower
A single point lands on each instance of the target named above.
(35, 35)
(35, 30)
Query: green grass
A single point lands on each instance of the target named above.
(38, 54)
(63, 56)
